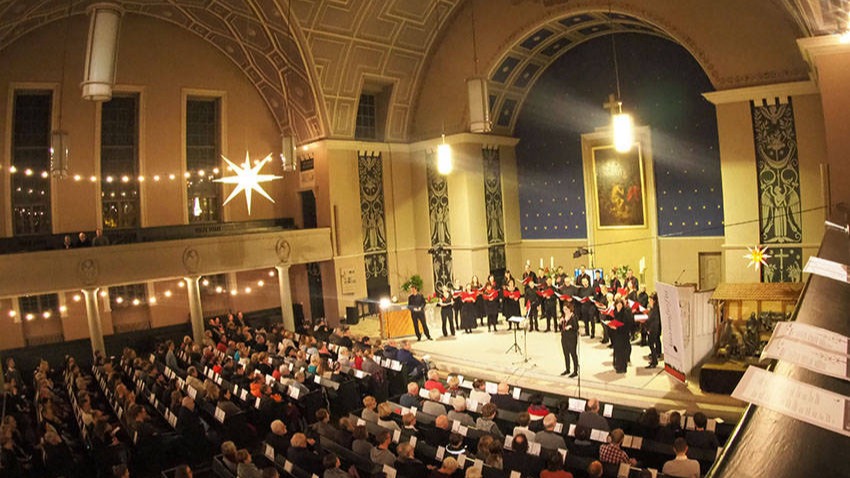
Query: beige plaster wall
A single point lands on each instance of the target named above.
(740, 182)
(163, 63)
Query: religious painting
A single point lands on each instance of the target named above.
(619, 188)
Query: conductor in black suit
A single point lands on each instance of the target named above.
(653, 329)
(416, 304)
(569, 340)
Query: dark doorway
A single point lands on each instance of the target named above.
(308, 210)
(317, 298)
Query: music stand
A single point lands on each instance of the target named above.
(516, 320)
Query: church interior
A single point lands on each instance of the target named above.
(165, 163)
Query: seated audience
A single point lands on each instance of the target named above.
(433, 382)
(369, 412)
(277, 437)
(595, 470)
(456, 446)
(305, 458)
(360, 443)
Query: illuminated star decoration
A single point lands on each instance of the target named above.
(248, 179)
(758, 256)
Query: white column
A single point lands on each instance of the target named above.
(285, 296)
(196, 311)
(93, 316)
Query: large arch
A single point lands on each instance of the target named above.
(737, 43)
(256, 35)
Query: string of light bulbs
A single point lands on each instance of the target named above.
(152, 300)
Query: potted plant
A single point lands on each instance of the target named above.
(413, 281)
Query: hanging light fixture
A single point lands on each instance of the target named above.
(288, 160)
(60, 144)
(476, 87)
(444, 158)
(102, 51)
(287, 154)
(622, 125)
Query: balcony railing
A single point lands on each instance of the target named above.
(19, 244)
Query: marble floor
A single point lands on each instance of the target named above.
(488, 355)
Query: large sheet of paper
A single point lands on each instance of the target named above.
(795, 399)
(826, 268)
(672, 337)
(808, 356)
(818, 337)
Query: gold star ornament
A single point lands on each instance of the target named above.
(758, 256)
(247, 179)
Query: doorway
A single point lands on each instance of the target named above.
(308, 209)
(709, 270)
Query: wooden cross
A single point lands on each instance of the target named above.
(612, 105)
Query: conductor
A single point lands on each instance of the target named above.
(416, 304)
(569, 340)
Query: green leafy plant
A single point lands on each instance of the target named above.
(413, 281)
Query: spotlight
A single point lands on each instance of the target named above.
(384, 303)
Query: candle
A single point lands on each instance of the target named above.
(552, 262)
(541, 262)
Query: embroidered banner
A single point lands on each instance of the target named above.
(777, 166)
(438, 213)
(371, 175)
(494, 209)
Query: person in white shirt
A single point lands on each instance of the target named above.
(681, 466)
(478, 392)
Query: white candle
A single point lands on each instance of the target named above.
(541, 262)
(551, 262)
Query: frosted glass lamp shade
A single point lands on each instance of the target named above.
(479, 105)
(101, 51)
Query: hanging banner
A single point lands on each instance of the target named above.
(672, 331)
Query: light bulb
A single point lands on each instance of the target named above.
(624, 133)
(444, 159)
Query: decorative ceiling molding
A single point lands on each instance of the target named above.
(383, 42)
(513, 74)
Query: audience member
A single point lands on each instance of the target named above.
(411, 398)
(381, 453)
(432, 406)
(331, 464)
(611, 452)
(548, 438)
(246, 468)
(555, 468)
(681, 466)
(591, 418)
(458, 414)
(700, 437)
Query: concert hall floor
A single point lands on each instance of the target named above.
(483, 354)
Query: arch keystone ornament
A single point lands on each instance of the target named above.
(88, 271)
(283, 250)
(191, 260)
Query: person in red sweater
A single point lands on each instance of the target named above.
(555, 468)
(434, 382)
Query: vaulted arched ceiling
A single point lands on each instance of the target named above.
(309, 70)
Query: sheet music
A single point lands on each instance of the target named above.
(795, 399)
(607, 410)
(826, 268)
(809, 357)
(815, 336)
(576, 404)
